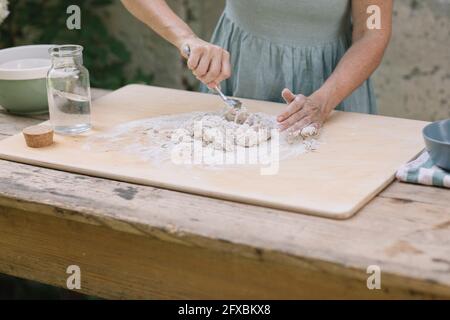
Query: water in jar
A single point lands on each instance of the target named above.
(70, 113)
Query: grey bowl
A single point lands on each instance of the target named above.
(437, 140)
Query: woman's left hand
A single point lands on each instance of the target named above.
(303, 112)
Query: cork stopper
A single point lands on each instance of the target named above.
(38, 136)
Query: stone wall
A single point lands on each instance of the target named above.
(413, 81)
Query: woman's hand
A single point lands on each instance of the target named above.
(303, 112)
(209, 63)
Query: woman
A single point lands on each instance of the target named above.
(267, 49)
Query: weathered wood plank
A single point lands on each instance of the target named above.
(120, 265)
(418, 193)
(408, 239)
(11, 125)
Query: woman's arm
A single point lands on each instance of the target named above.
(209, 63)
(355, 67)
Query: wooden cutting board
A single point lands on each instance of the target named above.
(358, 156)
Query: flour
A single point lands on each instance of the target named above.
(209, 139)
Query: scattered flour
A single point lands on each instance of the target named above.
(219, 136)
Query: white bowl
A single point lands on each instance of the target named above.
(25, 63)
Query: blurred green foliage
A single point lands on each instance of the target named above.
(44, 21)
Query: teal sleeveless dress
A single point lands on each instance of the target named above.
(295, 44)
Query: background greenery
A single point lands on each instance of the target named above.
(105, 55)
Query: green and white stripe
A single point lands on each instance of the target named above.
(423, 171)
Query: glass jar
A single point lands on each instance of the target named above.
(68, 89)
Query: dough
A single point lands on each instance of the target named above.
(236, 115)
(308, 132)
(226, 131)
(295, 135)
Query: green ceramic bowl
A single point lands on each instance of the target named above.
(23, 72)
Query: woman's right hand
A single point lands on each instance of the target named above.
(208, 62)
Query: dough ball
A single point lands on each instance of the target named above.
(241, 116)
(238, 116)
(308, 132)
(230, 114)
(213, 134)
(181, 136)
(247, 137)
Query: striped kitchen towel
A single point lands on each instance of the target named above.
(423, 171)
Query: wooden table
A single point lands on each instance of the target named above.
(134, 241)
